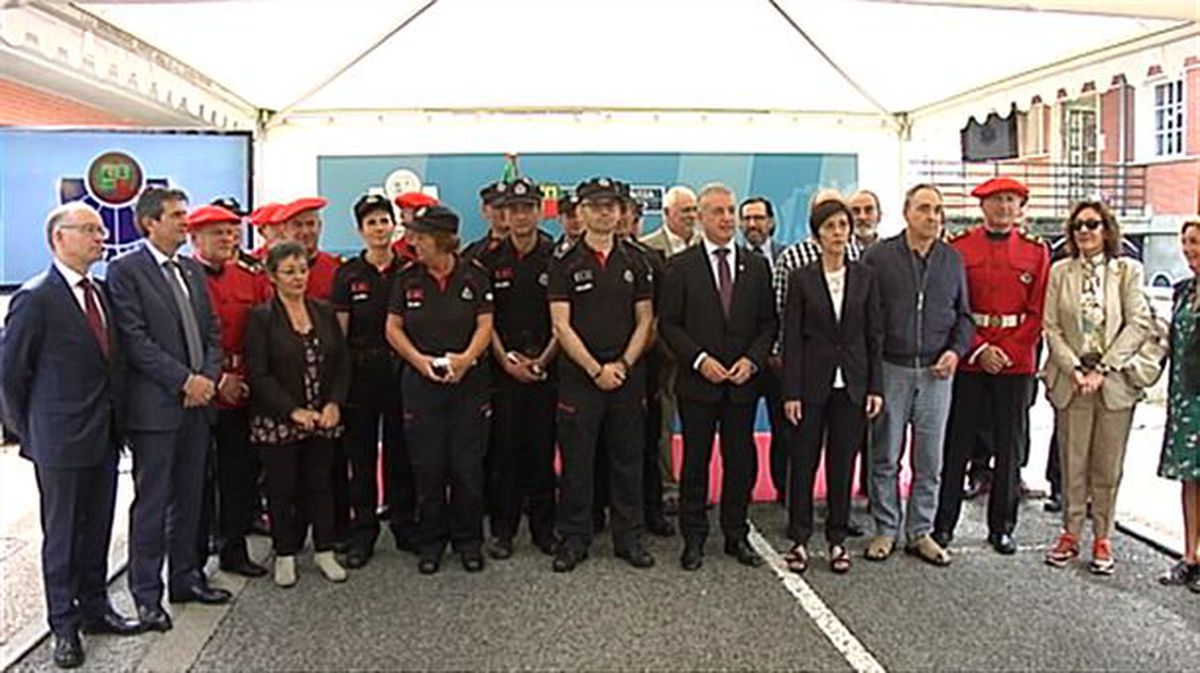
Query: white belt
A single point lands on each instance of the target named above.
(997, 319)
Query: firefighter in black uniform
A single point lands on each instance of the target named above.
(362, 289)
(601, 308)
(440, 322)
(521, 464)
(489, 199)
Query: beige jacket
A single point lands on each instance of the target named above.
(658, 240)
(1126, 324)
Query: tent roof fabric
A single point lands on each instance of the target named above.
(615, 54)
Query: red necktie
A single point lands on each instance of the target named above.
(95, 321)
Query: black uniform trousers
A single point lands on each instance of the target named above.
(585, 415)
(164, 520)
(374, 418)
(997, 406)
(300, 490)
(237, 481)
(77, 517)
(521, 460)
(652, 477)
(837, 424)
(447, 428)
(739, 465)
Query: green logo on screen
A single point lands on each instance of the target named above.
(115, 178)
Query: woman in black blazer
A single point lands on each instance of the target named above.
(833, 347)
(299, 378)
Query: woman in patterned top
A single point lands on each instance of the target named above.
(1096, 318)
(299, 379)
(1181, 441)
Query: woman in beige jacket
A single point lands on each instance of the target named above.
(1096, 317)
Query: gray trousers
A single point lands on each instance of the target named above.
(910, 397)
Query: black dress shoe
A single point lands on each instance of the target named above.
(566, 558)
(692, 557)
(110, 621)
(472, 562)
(68, 650)
(501, 548)
(1003, 543)
(743, 552)
(1053, 504)
(658, 526)
(636, 556)
(242, 566)
(200, 592)
(429, 566)
(357, 557)
(153, 618)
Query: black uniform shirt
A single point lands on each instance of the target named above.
(481, 246)
(602, 294)
(439, 316)
(361, 290)
(519, 284)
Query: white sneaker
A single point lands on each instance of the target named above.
(285, 571)
(330, 568)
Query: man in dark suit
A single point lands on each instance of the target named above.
(171, 337)
(61, 391)
(718, 316)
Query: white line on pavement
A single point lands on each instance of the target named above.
(842, 639)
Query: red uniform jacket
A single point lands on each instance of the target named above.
(234, 288)
(321, 270)
(1006, 283)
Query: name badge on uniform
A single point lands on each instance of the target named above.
(502, 284)
(414, 297)
(583, 287)
(583, 275)
(360, 291)
(502, 279)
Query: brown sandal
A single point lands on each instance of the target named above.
(839, 559)
(796, 559)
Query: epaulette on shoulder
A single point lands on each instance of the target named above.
(408, 267)
(564, 247)
(249, 264)
(1031, 237)
(635, 244)
(951, 237)
(476, 264)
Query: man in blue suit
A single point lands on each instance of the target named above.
(61, 394)
(171, 338)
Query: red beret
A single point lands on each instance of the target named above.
(298, 206)
(264, 215)
(997, 185)
(206, 216)
(415, 200)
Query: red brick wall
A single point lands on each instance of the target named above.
(1191, 115)
(1174, 188)
(21, 105)
(1110, 124)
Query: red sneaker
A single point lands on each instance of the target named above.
(1065, 550)
(1103, 562)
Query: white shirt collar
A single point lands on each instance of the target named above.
(159, 256)
(711, 248)
(71, 275)
(673, 241)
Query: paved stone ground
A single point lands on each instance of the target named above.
(984, 612)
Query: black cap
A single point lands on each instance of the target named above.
(492, 192)
(598, 188)
(429, 219)
(567, 204)
(520, 190)
(623, 190)
(369, 202)
(231, 204)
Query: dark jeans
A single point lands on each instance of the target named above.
(998, 407)
(837, 424)
(298, 479)
(739, 465)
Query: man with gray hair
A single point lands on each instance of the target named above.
(61, 392)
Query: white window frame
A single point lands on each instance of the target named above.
(1168, 115)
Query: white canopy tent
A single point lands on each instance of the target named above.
(428, 76)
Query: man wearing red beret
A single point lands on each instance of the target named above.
(302, 223)
(263, 219)
(1007, 271)
(234, 286)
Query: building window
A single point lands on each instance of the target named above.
(1168, 119)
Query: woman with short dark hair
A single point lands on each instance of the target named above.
(299, 378)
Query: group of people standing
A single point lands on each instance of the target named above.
(449, 377)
